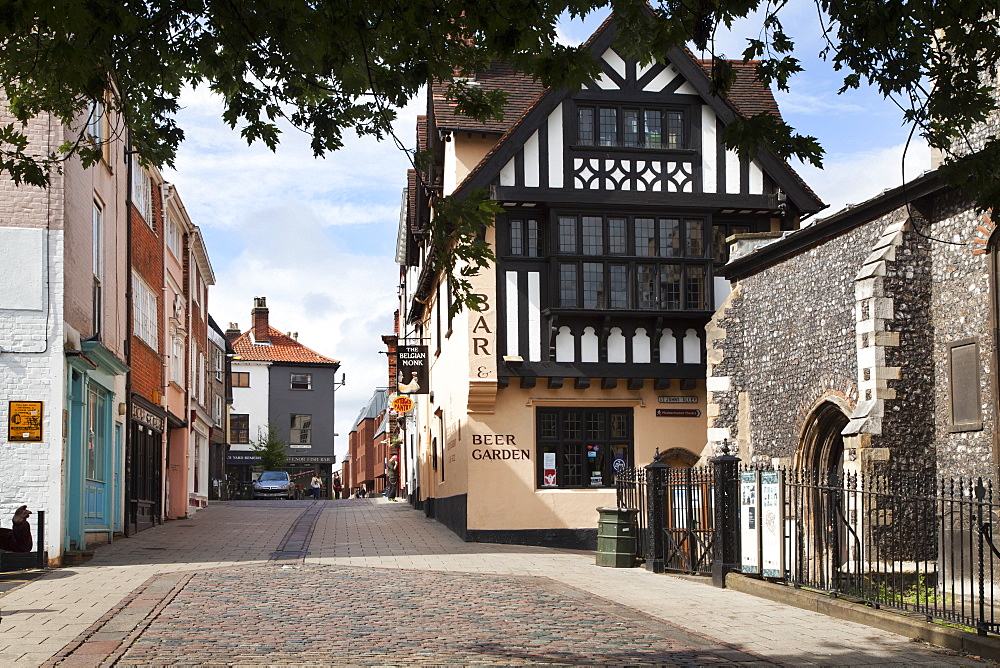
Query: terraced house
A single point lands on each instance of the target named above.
(589, 352)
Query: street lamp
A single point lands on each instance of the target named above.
(336, 386)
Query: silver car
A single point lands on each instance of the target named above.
(274, 485)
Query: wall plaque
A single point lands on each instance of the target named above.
(677, 400)
(678, 412)
(24, 421)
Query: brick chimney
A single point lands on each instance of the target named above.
(233, 332)
(258, 316)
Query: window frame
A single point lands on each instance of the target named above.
(304, 430)
(598, 133)
(239, 375)
(236, 431)
(688, 252)
(564, 444)
(145, 312)
(142, 193)
(308, 381)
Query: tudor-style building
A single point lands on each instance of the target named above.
(589, 352)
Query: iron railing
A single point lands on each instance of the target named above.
(894, 539)
(676, 516)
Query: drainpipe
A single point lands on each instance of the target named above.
(189, 371)
(127, 463)
(166, 194)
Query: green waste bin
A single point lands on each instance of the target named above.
(616, 536)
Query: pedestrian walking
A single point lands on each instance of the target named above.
(338, 486)
(392, 477)
(316, 485)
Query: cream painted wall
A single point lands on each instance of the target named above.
(466, 150)
(503, 494)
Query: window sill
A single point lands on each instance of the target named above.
(969, 426)
(574, 489)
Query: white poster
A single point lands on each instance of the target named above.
(549, 469)
(770, 517)
(749, 521)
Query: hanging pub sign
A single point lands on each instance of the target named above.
(402, 404)
(24, 421)
(411, 370)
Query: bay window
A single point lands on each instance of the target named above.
(670, 269)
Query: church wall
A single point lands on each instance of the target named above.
(961, 305)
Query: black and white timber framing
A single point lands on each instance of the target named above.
(544, 172)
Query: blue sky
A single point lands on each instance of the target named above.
(317, 236)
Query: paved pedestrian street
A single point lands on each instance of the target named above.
(369, 582)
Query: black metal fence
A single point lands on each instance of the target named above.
(899, 540)
(676, 516)
(894, 539)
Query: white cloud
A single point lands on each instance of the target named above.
(856, 177)
(290, 227)
(340, 303)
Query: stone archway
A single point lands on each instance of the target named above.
(821, 467)
(678, 458)
(821, 445)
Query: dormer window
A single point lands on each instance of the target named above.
(630, 127)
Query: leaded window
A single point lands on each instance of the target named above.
(670, 270)
(582, 447)
(653, 128)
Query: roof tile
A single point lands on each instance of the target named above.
(283, 348)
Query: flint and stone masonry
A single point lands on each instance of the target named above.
(861, 313)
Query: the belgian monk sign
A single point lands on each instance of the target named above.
(411, 369)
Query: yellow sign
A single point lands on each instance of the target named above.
(402, 404)
(25, 421)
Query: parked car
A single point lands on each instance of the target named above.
(274, 485)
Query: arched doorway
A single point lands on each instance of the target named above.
(822, 444)
(678, 458)
(822, 524)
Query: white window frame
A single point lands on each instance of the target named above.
(174, 236)
(217, 410)
(95, 122)
(308, 381)
(177, 361)
(97, 229)
(142, 193)
(145, 320)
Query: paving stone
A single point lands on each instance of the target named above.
(367, 582)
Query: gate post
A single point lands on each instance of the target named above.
(656, 480)
(725, 471)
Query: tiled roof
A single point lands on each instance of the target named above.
(283, 348)
(522, 91)
(749, 95)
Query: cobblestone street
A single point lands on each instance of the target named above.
(368, 582)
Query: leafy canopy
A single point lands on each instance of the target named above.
(333, 66)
